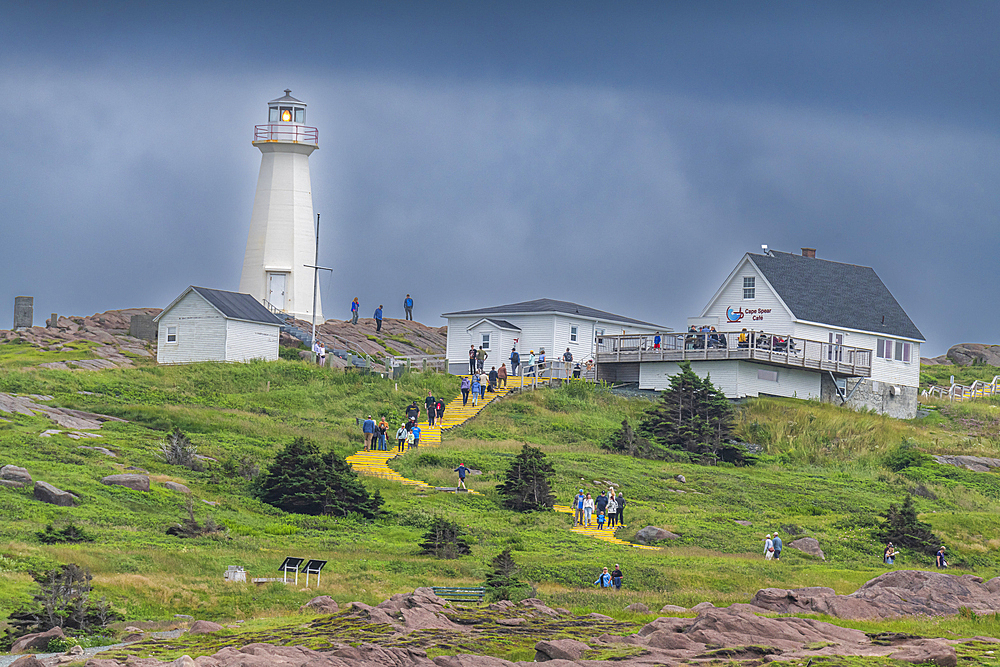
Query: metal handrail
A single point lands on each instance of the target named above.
(299, 134)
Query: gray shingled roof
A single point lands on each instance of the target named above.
(238, 306)
(553, 306)
(503, 324)
(842, 295)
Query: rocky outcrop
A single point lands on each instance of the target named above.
(131, 481)
(559, 649)
(176, 486)
(47, 493)
(27, 661)
(651, 534)
(36, 641)
(808, 545)
(973, 463)
(923, 651)
(322, 604)
(65, 417)
(203, 628)
(966, 354)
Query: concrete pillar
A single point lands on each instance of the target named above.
(53, 321)
(142, 326)
(446, 365)
(24, 312)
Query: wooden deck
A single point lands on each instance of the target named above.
(761, 347)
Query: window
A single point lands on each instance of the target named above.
(273, 115)
(486, 341)
(171, 334)
(300, 115)
(749, 287)
(573, 334)
(598, 332)
(888, 349)
(770, 376)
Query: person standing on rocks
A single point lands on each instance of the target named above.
(355, 307)
(604, 581)
(472, 359)
(408, 307)
(515, 360)
(430, 403)
(939, 559)
(768, 547)
(889, 555)
(462, 471)
(368, 428)
(588, 510)
(378, 318)
(616, 577)
(465, 387)
(777, 546)
(578, 508)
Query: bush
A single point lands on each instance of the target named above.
(178, 450)
(71, 534)
(189, 527)
(902, 528)
(444, 540)
(502, 583)
(289, 353)
(905, 456)
(526, 484)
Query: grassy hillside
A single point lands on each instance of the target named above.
(822, 475)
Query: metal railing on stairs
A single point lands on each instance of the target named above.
(960, 392)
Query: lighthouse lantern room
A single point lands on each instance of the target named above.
(281, 246)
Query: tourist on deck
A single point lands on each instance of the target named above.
(568, 361)
(502, 376)
(476, 390)
(378, 318)
(588, 510)
(472, 360)
(743, 340)
(541, 360)
(621, 509)
(656, 341)
(415, 432)
(413, 412)
(430, 404)
(383, 428)
(355, 307)
(604, 581)
(481, 357)
(439, 409)
(616, 577)
(493, 377)
(578, 501)
(776, 542)
(368, 428)
(612, 510)
(408, 307)
(515, 360)
(768, 547)
(939, 559)
(461, 470)
(401, 438)
(889, 555)
(465, 386)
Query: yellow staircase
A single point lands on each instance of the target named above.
(375, 463)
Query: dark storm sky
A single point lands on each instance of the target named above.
(620, 155)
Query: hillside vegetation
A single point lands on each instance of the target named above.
(825, 472)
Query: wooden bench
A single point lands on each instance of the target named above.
(460, 594)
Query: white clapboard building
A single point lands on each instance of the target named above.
(212, 325)
(532, 326)
(789, 325)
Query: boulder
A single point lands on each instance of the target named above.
(203, 628)
(27, 661)
(933, 651)
(559, 649)
(175, 486)
(723, 627)
(966, 354)
(680, 478)
(672, 609)
(10, 484)
(537, 605)
(36, 641)
(651, 534)
(702, 606)
(47, 493)
(322, 604)
(14, 474)
(666, 624)
(973, 463)
(638, 608)
(184, 661)
(134, 482)
(808, 545)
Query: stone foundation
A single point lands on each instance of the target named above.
(897, 401)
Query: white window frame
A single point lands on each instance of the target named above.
(749, 287)
(574, 334)
(175, 334)
(894, 350)
(484, 340)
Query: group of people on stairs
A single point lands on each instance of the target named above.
(608, 506)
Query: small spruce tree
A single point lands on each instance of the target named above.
(444, 539)
(903, 528)
(503, 583)
(526, 484)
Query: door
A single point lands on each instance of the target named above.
(276, 290)
(835, 352)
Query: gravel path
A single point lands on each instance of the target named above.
(6, 658)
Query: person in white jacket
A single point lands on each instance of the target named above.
(588, 509)
(768, 548)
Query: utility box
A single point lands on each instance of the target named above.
(24, 312)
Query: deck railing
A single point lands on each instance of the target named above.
(756, 345)
(960, 392)
(299, 134)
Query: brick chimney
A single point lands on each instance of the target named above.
(809, 252)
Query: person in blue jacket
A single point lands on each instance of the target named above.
(476, 390)
(578, 508)
(408, 307)
(461, 470)
(378, 318)
(355, 307)
(416, 436)
(368, 428)
(604, 581)
(515, 360)
(777, 546)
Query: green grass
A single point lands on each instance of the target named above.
(965, 375)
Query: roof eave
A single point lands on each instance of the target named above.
(883, 334)
(560, 312)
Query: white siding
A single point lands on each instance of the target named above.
(883, 370)
(736, 379)
(251, 340)
(459, 340)
(201, 332)
(762, 313)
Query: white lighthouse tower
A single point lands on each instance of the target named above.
(282, 241)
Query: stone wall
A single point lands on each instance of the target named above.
(900, 402)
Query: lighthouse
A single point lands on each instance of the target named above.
(281, 246)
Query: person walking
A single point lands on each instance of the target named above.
(472, 360)
(621, 509)
(401, 438)
(776, 542)
(355, 307)
(465, 386)
(768, 547)
(484, 380)
(600, 519)
(481, 358)
(378, 318)
(604, 581)
(578, 508)
(568, 361)
(889, 555)
(461, 470)
(408, 307)
(612, 510)
(415, 432)
(515, 360)
(439, 408)
(601, 503)
(502, 376)
(413, 412)
(588, 510)
(409, 439)
(368, 428)
(476, 390)
(430, 404)
(616, 577)
(531, 362)
(939, 559)
(383, 428)
(493, 377)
